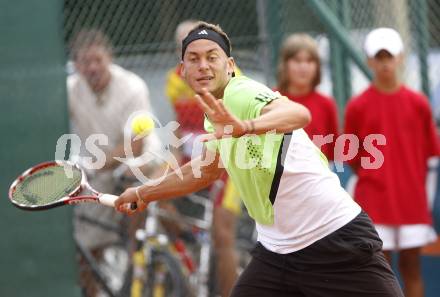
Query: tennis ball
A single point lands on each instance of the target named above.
(142, 125)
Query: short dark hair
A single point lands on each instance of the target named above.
(215, 28)
(87, 38)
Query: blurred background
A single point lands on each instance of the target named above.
(37, 253)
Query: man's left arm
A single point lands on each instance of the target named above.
(277, 114)
(281, 115)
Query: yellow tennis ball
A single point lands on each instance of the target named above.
(142, 125)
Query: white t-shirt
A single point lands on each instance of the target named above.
(310, 202)
(108, 114)
(291, 193)
(125, 94)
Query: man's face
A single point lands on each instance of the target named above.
(206, 65)
(93, 63)
(384, 65)
(301, 69)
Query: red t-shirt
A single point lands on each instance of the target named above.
(324, 118)
(393, 194)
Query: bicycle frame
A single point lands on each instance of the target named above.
(150, 239)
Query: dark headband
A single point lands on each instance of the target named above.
(205, 33)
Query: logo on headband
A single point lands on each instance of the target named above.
(206, 33)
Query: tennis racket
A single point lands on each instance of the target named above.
(55, 183)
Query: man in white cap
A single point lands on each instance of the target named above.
(394, 195)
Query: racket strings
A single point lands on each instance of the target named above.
(47, 185)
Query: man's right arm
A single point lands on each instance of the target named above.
(173, 185)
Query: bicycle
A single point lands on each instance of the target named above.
(156, 263)
(155, 272)
(109, 269)
(198, 279)
(162, 266)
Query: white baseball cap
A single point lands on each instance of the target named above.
(383, 39)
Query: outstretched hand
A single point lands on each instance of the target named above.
(224, 122)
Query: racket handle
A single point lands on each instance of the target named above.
(109, 200)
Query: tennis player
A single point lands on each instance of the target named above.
(313, 239)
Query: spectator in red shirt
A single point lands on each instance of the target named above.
(299, 74)
(394, 193)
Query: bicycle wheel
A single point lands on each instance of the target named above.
(104, 270)
(164, 277)
(114, 268)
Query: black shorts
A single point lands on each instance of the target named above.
(347, 263)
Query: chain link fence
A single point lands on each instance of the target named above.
(142, 33)
(143, 36)
(418, 22)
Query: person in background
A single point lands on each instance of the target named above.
(299, 74)
(101, 98)
(394, 194)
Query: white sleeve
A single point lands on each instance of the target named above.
(141, 101)
(141, 98)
